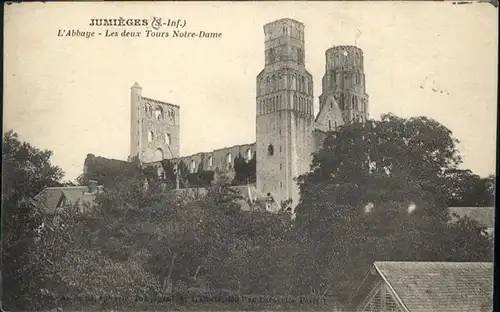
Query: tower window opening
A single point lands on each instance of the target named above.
(329, 125)
(193, 166)
(150, 136)
(159, 113)
(229, 158)
(300, 56)
(270, 150)
(171, 116)
(210, 161)
(168, 139)
(147, 108)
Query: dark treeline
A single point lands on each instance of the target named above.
(375, 192)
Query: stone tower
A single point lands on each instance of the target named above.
(345, 80)
(154, 130)
(285, 112)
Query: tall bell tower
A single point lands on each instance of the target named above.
(285, 114)
(345, 79)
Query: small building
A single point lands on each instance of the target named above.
(52, 198)
(425, 286)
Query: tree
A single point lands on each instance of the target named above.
(376, 191)
(245, 170)
(108, 172)
(466, 189)
(26, 171)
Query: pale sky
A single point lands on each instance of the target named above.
(72, 95)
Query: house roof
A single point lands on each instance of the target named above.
(484, 215)
(50, 197)
(440, 286)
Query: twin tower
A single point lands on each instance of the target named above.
(288, 131)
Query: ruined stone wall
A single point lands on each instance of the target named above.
(155, 128)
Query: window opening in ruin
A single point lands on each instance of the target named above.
(171, 116)
(168, 139)
(150, 136)
(160, 173)
(249, 154)
(159, 113)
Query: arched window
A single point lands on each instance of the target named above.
(147, 108)
(229, 158)
(270, 150)
(210, 161)
(303, 84)
(158, 154)
(168, 139)
(300, 56)
(193, 166)
(329, 125)
(171, 116)
(249, 154)
(151, 136)
(159, 113)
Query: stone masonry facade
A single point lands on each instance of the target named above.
(288, 131)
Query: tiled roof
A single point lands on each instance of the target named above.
(82, 198)
(484, 215)
(49, 198)
(441, 286)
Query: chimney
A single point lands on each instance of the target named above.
(92, 186)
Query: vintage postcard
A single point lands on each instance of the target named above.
(264, 156)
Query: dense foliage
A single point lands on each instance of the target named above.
(26, 170)
(378, 191)
(245, 170)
